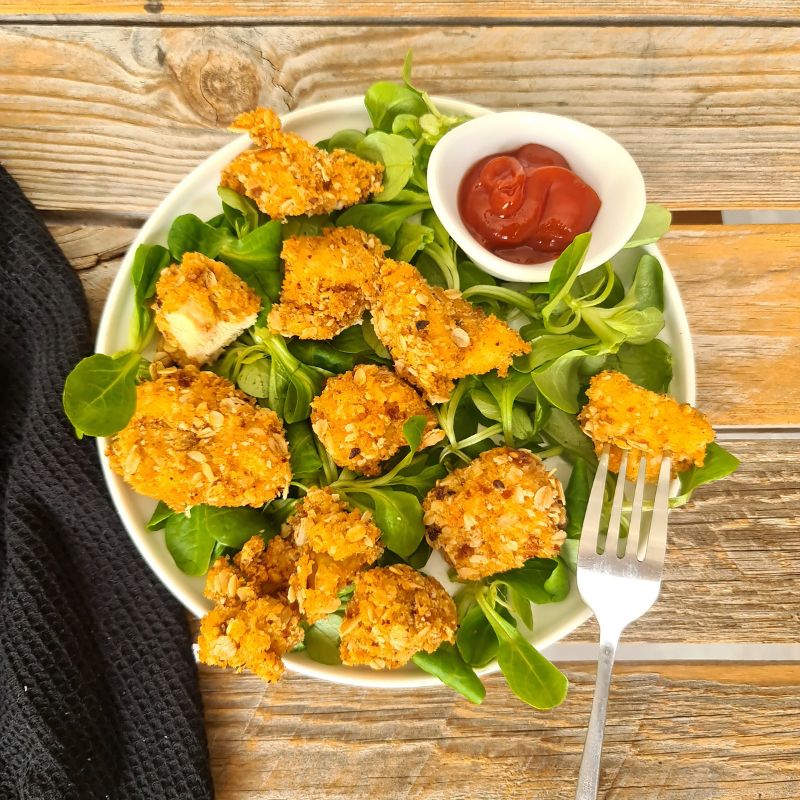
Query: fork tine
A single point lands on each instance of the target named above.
(591, 520)
(657, 538)
(635, 527)
(615, 520)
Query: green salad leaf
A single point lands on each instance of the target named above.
(719, 463)
(534, 679)
(159, 517)
(576, 495)
(476, 639)
(322, 640)
(448, 666)
(382, 219)
(255, 257)
(148, 263)
(191, 537)
(398, 514)
(540, 580)
(386, 101)
(648, 365)
(655, 223)
(396, 153)
(99, 395)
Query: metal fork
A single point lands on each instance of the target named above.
(618, 588)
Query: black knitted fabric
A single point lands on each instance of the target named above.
(98, 687)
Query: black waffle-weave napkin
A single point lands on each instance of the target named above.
(98, 687)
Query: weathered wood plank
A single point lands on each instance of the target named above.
(699, 732)
(738, 284)
(110, 118)
(375, 11)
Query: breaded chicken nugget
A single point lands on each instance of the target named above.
(256, 570)
(288, 177)
(335, 543)
(495, 513)
(326, 523)
(201, 307)
(317, 581)
(629, 417)
(195, 438)
(435, 336)
(252, 635)
(395, 613)
(359, 417)
(323, 286)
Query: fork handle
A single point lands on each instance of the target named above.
(588, 777)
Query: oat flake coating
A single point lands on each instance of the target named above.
(335, 542)
(395, 613)
(359, 417)
(495, 513)
(287, 176)
(201, 306)
(252, 635)
(323, 284)
(629, 417)
(195, 438)
(435, 336)
(317, 581)
(258, 569)
(326, 523)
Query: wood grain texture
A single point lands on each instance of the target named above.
(738, 284)
(110, 118)
(699, 732)
(383, 12)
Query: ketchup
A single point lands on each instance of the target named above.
(526, 205)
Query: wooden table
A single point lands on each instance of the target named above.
(104, 107)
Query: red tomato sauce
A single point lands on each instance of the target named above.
(526, 205)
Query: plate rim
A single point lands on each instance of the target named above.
(338, 674)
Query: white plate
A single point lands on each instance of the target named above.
(197, 194)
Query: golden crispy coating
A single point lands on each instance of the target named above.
(201, 307)
(335, 543)
(326, 523)
(495, 513)
(395, 613)
(252, 635)
(256, 570)
(359, 417)
(434, 336)
(645, 423)
(288, 177)
(323, 286)
(317, 581)
(195, 438)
